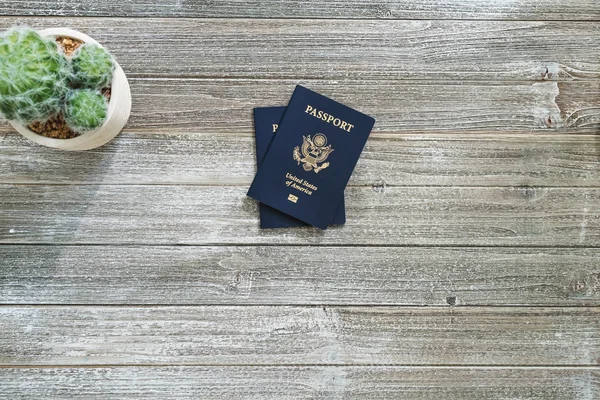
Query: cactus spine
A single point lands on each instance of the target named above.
(33, 76)
(85, 109)
(92, 67)
(38, 82)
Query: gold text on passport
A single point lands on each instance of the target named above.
(330, 119)
(300, 184)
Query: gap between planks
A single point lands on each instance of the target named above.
(324, 306)
(496, 367)
(337, 245)
(323, 19)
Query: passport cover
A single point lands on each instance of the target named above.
(266, 121)
(311, 158)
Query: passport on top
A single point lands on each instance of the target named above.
(266, 121)
(311, 158)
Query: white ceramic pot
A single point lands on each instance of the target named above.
(119, 107)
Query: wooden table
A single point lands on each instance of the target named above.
(469, 267)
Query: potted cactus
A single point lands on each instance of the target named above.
(61, 88)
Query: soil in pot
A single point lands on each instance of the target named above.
(68, 45)
(56, 127)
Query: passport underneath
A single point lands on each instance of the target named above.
(266, 122)
(311, 158)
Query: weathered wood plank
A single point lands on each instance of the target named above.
(180, 157)
(521, 216)
(226, 335)
(281, 275)
(399, 106)
(225, 105)
(283, 383)
(584, 10)
(340, 49)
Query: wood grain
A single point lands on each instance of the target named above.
(415, 107)
(342, 49)
(584, 10)
(281, 275)
(139, 267)
(287, 383)
(109, 214)
(218, 335)
(188, 156)
(226, 105)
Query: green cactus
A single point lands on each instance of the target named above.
(93, 67)
(33, 76)
(85, 109)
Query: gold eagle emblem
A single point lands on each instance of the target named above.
(313, 152)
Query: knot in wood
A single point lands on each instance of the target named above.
(379, 186)
(578, 286)
(383, 12)
(549, 71)
(545, 73)
(527, 192)
(552, 121)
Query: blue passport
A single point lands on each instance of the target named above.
(311, 158)
(266, 121)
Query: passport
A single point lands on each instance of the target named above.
(266, 121)
(311, 158)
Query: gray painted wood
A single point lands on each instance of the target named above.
(354, 9)
(225, 106)
(188, 156)
(287, 383)
(456, 103)
(342, 49)
(297, 275)
(263, 335)
(178, 214)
